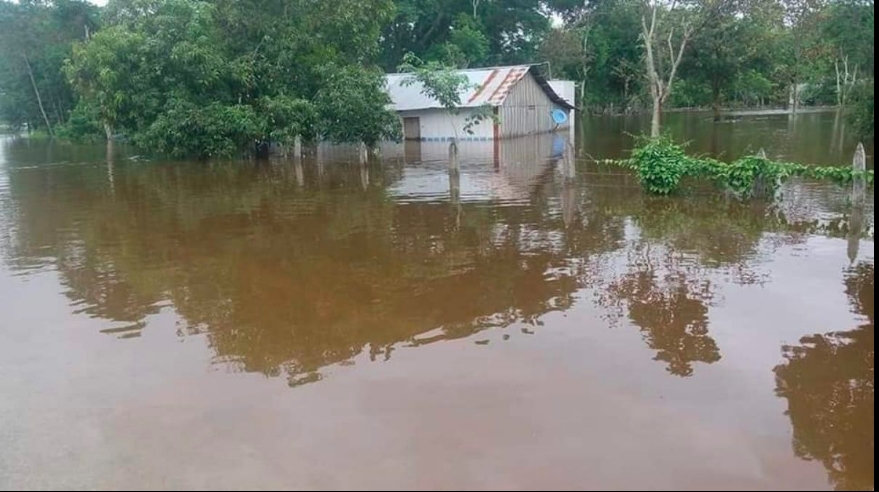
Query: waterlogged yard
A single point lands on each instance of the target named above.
(525, 324)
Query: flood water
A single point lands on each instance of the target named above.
(537, 322)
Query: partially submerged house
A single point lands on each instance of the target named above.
(521, 165)
(522, 100)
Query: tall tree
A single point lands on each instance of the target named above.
(513, 30)
(848, 28)
(35, 38)
(799, 50)
(663, 52)
(598, 46)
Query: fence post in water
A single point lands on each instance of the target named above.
(858, 198)
(110, 167)
(297, 146)
(454, 187)
(455, 197)
(364, 176)
(759, 188)
(298, 172)
(363, 153)
(363, 157)
(569, 168)
(855, 228)
(859, 178)
(454, 165)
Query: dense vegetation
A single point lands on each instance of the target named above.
(217, 77)
(661, 165)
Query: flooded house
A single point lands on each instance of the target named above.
(521, 99)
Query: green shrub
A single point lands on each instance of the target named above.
(660, 164)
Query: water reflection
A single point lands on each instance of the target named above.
(828, 382)
(813, 137)
(292, 266)
(671, 308)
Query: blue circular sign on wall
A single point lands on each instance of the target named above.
(559, 116)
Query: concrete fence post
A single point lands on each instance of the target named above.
(859, 181)
(454, 164)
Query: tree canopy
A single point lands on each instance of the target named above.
(222, 77)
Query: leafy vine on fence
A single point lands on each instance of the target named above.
(661, 164)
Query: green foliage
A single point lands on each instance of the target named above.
(465, 32)
(722, 48)
(861, 113)
(848, 27)
(83, 125)
(346, 106)
(741, 53)
(752, 88)
(213, 130)
(467, 45)
(599, 46)
(309, 68)
(208, 79)
(35, 38)
(445, 85)
(661, 165)
(438, 81)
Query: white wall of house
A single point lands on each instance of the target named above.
(527, 110)
(566, 89)
(438, 124)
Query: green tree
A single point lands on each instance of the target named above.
(467, 44)
(847, 27)
(190, 77)
(435, 30)
(599, 48)
(445, 85)
(35, 38)
(719, 52)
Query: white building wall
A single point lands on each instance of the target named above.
(438, 124)
(527, 110)
(566, 89)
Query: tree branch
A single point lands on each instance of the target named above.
(676, 61)
(648, 45)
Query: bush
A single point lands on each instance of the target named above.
(660, 164)
(83, 125)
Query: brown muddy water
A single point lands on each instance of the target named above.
(320, 324)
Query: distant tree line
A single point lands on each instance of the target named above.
(219, 77)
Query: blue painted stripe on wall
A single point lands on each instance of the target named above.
(461, 139)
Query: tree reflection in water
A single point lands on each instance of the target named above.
(828, 382)
(672, 313)
(288, 268)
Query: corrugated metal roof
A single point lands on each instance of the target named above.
(488, 86)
